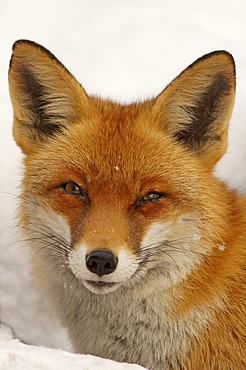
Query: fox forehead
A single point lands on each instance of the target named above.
(121, 132)
(112, 143)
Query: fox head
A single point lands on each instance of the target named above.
(115, 195)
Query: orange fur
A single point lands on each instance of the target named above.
(135, 180)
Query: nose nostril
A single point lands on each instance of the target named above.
(92, 265)
(101, 262)
(108, 266)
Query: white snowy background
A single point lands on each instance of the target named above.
(125, 50)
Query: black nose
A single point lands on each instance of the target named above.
(101, 262)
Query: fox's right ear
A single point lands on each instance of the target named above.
(46, 98)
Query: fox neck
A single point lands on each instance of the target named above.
(129, 316)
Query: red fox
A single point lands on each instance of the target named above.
(139, 248)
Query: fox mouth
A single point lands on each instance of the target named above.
(100, 287)
(100, 284)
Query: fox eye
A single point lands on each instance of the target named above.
(152, 197)
(149, 197)
(73, 189)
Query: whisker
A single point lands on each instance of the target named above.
(57, 235)
(169, 243)
(20, 196)
(47, 231)
(162, 253)
(46, 243)
(49, 239)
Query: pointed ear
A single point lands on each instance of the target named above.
(196, 107)
(46, 98)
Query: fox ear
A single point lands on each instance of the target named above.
(46, 98)
(196, 107)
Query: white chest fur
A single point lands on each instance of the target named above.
(129, 326)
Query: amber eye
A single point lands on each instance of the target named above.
(151, 197)
(73, 189)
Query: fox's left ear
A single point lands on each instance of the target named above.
(46, 98)
(196, 107)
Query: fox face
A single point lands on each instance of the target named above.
(121, 218)
(120, 195)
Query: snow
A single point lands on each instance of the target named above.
(222, 247)
(15, 355)
(119, 49)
